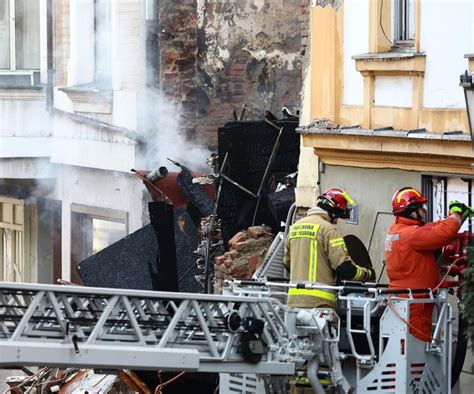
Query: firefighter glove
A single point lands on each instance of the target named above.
(370, 274)
(460, 208)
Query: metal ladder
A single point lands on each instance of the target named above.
(84, 327)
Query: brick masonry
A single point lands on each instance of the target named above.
(216, 56)
(178, 57)
(246, 251)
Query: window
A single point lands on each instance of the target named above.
(12, 251)
(19, 35)
(102, 28)
(105, 233)
(93, 229)
(404, 22)
(440, 190)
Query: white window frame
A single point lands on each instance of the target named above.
(404, 24)
(33, 73)
(11, 11)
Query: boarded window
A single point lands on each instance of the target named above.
(12, 248)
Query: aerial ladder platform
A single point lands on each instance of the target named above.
(248, 330)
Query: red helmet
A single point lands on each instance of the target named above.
(337, 202)
(405, 197)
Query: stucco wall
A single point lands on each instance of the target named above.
(98, 189)
(393, 91)
(373, 190)
(356, 41)
(446, 36)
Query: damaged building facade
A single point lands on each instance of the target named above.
(92, 89)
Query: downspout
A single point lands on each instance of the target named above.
(49, 56)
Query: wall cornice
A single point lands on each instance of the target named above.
(425, 152)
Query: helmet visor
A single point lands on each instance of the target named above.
(351, 204)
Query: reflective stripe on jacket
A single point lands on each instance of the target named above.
(314, 249)
(410, 261)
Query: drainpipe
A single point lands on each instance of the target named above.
(49, 56)
(312, 373)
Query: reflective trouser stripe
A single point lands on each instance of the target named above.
(313, 293)
(313, 261)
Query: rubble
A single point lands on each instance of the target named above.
(247, 250)
(320, 123)
(210, 234)
(56, 380)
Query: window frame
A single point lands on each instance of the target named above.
(13, 236)
(403, 11)
(12, 39)
(81, 212)
(102, 50)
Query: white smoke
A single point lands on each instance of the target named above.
(165, 137)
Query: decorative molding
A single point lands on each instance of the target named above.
(425, 152)
(90, 100)
(26, 94)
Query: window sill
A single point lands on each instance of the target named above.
(20, 79)
(391, 63)
(90, 98)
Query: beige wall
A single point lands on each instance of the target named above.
(327, 49)
(372, 189)
(323, 98)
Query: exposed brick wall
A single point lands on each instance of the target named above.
(178, 56)
(248, 53)
(61, 40)
(216, 56)
(304, 26)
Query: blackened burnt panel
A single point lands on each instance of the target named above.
(129, 263)
(249, 146)
(163, 222)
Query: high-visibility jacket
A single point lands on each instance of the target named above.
(410, 262)
(314, 249)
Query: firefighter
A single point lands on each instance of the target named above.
(409, 250)
(316, 252)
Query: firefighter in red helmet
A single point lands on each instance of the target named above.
(409, 250)
(316, 252)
